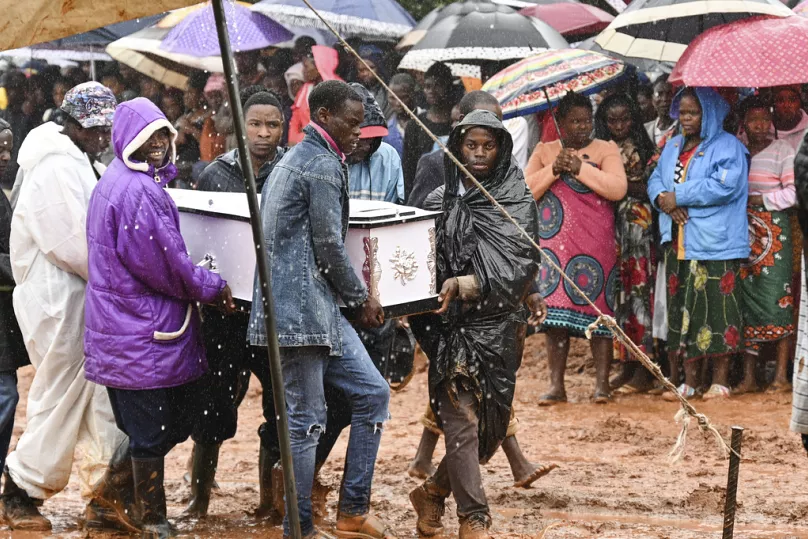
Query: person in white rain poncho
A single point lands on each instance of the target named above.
(49, 262)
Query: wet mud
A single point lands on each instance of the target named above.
(614, 479)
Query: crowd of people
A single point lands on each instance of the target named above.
(673, 209)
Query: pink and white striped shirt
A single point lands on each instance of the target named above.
(771, 174)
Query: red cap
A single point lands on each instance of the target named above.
(373, 131)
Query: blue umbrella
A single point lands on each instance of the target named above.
(371, 19)
(196, 34)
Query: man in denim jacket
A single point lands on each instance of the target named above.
(304, 212)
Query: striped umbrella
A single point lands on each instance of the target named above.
(520, 88)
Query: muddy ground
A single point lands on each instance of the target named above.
(614, 478)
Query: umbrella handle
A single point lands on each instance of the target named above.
(552, 114)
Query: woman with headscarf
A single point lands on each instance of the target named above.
(575, 182)
(767, 276)
(618, 119)
(700, 188)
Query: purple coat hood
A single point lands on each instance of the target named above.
(141, 323)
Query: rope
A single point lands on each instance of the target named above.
(688, 411)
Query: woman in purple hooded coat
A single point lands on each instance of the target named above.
(142, 338)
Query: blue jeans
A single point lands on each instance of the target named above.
(8, 406)
(306, 372)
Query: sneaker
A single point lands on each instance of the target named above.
(475, 527)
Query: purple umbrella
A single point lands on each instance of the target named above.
(249, 30)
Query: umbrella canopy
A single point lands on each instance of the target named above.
(249, 30)
(520, 88)
(36, 21)
(642, 64)
(661, 29)
(482, 32)
(571, 19)
(101, 37)
(55, 56)
(612, 7)
(802, 9)
(142, 52)
(756, 52)
(370, 19)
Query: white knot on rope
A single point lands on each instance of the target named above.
(602, 320)
(683, 416)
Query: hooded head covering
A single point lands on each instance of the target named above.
(215, 83)
(487, 119)
(374, 124)
(374, 54)
(294, 73)
(714, 110)
(135, 122)
(91, 104)
(326, 59)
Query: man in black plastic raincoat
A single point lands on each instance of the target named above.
(475, 340)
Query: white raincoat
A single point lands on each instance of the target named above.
(49, 261)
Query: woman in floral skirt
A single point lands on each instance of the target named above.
(700, 186)
(618, 119)
(766, 277)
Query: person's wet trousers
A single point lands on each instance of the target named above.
(459, 471)
(306, 372)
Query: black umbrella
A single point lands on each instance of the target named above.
(612, 7)
(661, 29)
(480, 32)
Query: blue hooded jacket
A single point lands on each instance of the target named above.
(715, 190)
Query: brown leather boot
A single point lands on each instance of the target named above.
(113, 497)
(475, 527)
(430, 505)
(19, 510)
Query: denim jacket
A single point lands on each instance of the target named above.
(304, 214)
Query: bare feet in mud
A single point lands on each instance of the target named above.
(420, 470)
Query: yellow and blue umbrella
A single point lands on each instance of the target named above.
(524, 87)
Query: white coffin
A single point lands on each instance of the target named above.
(391, 247)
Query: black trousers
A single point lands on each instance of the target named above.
(231, 360)
(155, 419)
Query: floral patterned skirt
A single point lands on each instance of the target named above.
(704, 313)
(766, 279)
(635, 288)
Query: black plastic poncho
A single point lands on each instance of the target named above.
(478, 345)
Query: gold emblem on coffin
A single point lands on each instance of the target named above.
(430, 262)
(404, 265)
(371, 269)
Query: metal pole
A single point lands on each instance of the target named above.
(732, 482)
(263, 270)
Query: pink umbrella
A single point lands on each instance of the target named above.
(801, 9)
(755, 52)
(570, 19)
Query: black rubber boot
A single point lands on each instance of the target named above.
(20, 510)
(267, 459)
(203, 475)
(151, 498)
(113, 497)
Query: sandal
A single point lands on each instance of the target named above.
(551, 400)
(684, 390)
(716, 392)
(363, 527)
(630, 389)
(601, 398)
(537, 474)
